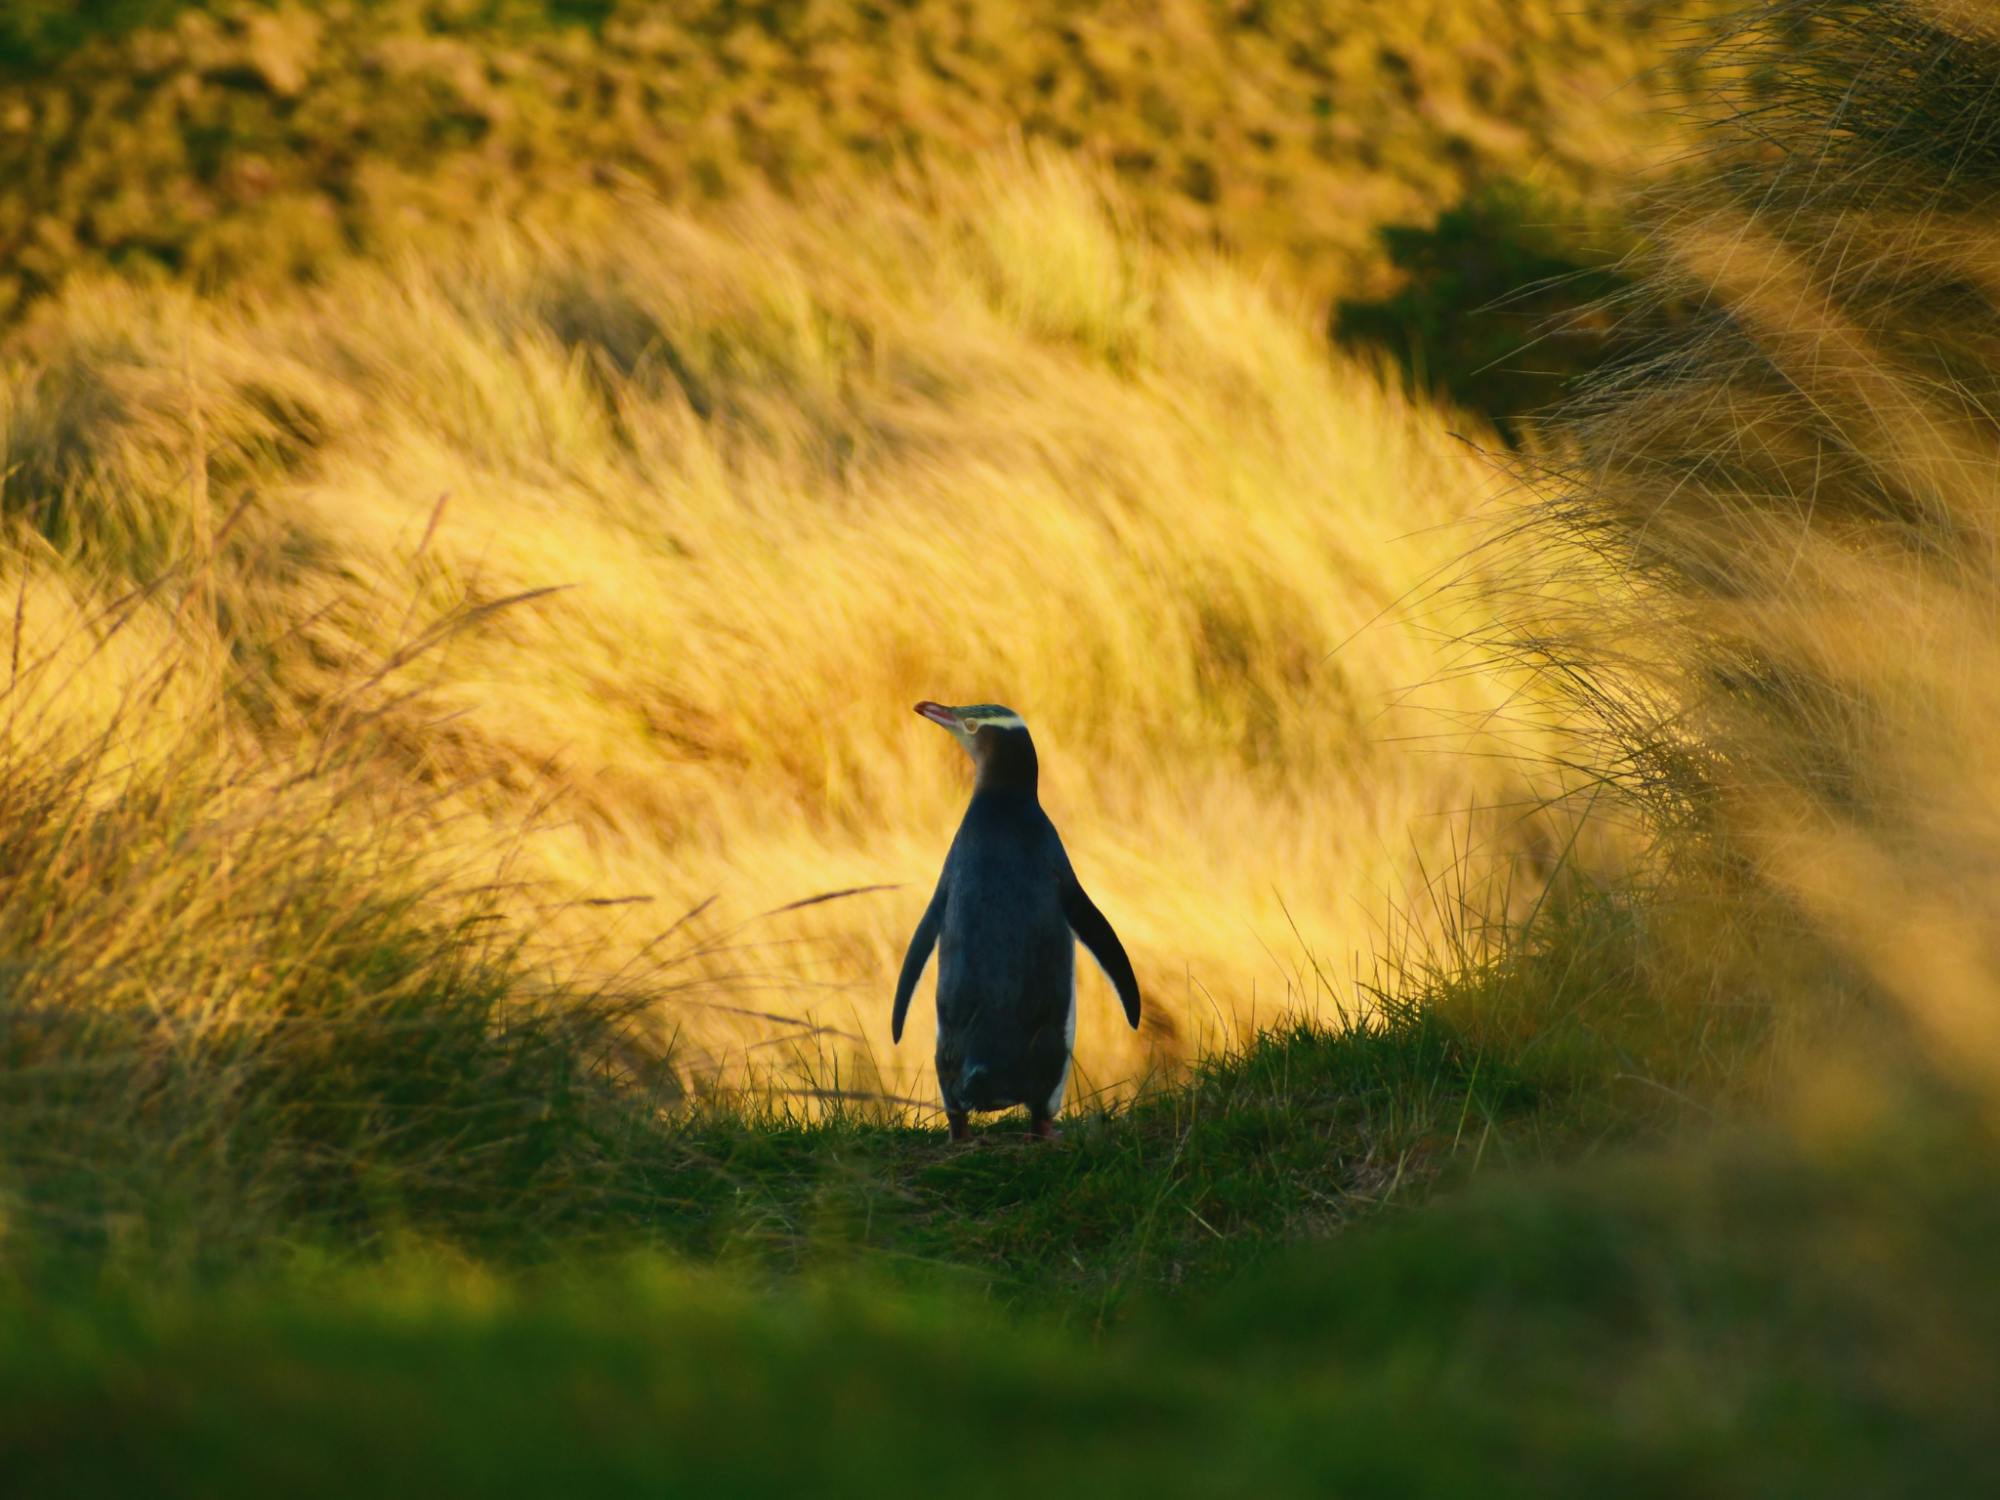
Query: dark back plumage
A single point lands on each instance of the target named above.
(1006, 959)
(1005, 918)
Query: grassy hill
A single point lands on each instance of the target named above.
(1563, 907)
(221, 141)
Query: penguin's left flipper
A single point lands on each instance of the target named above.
(921, 942)
(1088, 923)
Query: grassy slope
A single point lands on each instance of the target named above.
(257, 141)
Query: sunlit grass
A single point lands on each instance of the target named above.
(793, 470)
(1784, 527)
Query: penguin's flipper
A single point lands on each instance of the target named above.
(1088, 923)
(921, 942)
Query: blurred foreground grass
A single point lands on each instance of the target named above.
(1733, 1321)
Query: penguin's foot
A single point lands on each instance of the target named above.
(1045, 1130)
(961, 1127)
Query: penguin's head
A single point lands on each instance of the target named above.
(995, 738)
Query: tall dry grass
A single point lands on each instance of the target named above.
(253, 990)
(1786, 523)
(793, 468)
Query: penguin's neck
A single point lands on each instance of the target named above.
(1009, 767)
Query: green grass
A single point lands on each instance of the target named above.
(1733, 1320)
(1306, 1130)
(420, 1236)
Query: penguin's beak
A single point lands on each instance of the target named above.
(938, 714)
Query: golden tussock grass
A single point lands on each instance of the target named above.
(247, 988)
(1794, 514)
(794, 468)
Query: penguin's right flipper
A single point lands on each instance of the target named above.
(1088, 923)
(921, 942)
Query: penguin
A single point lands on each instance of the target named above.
(1004, 919)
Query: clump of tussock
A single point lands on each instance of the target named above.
(252, 997)
(1789, 515)
(121, 427)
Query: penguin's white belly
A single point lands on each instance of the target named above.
(1069, 1049)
